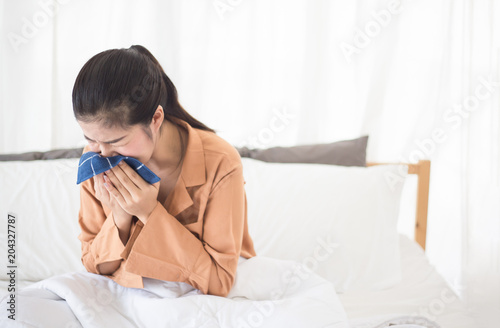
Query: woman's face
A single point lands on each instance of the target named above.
(133, 141)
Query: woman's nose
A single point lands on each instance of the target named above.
(106, 151)
(94, 148)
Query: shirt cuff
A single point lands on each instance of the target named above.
(107, 245)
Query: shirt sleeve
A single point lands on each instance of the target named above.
(167, 250)
(99, 235)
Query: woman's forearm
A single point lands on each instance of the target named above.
(108, 268)
(123, 224)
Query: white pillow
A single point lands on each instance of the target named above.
(339, 221)
(44, 197)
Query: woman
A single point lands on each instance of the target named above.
(192, 225)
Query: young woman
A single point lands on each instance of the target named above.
(192, 225)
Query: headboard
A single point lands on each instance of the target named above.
(423, 171)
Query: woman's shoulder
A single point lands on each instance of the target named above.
(218, 151)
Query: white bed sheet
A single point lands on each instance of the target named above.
(260, 297)
(422, 292)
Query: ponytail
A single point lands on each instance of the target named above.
(172, 107)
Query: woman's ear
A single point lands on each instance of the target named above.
(158, 118)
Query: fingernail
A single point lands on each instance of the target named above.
(106, 185)
(121, 163)
(107, 172)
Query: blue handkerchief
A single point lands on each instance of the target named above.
(92, 164)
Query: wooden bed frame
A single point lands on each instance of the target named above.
(423, 171)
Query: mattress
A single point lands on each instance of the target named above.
(422, 292)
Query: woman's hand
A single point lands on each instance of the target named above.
(134, 195)
(123, 220)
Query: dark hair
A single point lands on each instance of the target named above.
(124, 87)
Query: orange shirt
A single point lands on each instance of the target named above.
(196, 236)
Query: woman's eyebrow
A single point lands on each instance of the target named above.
(107, 142)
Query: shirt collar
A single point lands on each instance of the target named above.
(193, 171)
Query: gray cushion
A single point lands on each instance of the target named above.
(345, 152)
(36, 155)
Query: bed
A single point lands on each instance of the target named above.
(319, 210)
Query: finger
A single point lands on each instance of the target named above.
(100, 190)
(106, 182)
(95, 184)
(117, 184)
(115, 193)
(125, 180)
(133, 175)
(98, 183)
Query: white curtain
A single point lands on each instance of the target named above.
(420, 77)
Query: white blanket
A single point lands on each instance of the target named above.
(267, 293)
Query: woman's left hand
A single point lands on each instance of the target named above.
(131, 191)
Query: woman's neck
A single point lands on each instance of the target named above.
(169, 149)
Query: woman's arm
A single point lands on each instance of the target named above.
(161, 247)
(108, 268)
(102, 240)
(167, 250)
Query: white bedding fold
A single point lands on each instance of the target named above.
(267, 293)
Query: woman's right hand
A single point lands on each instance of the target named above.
(123, 220)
